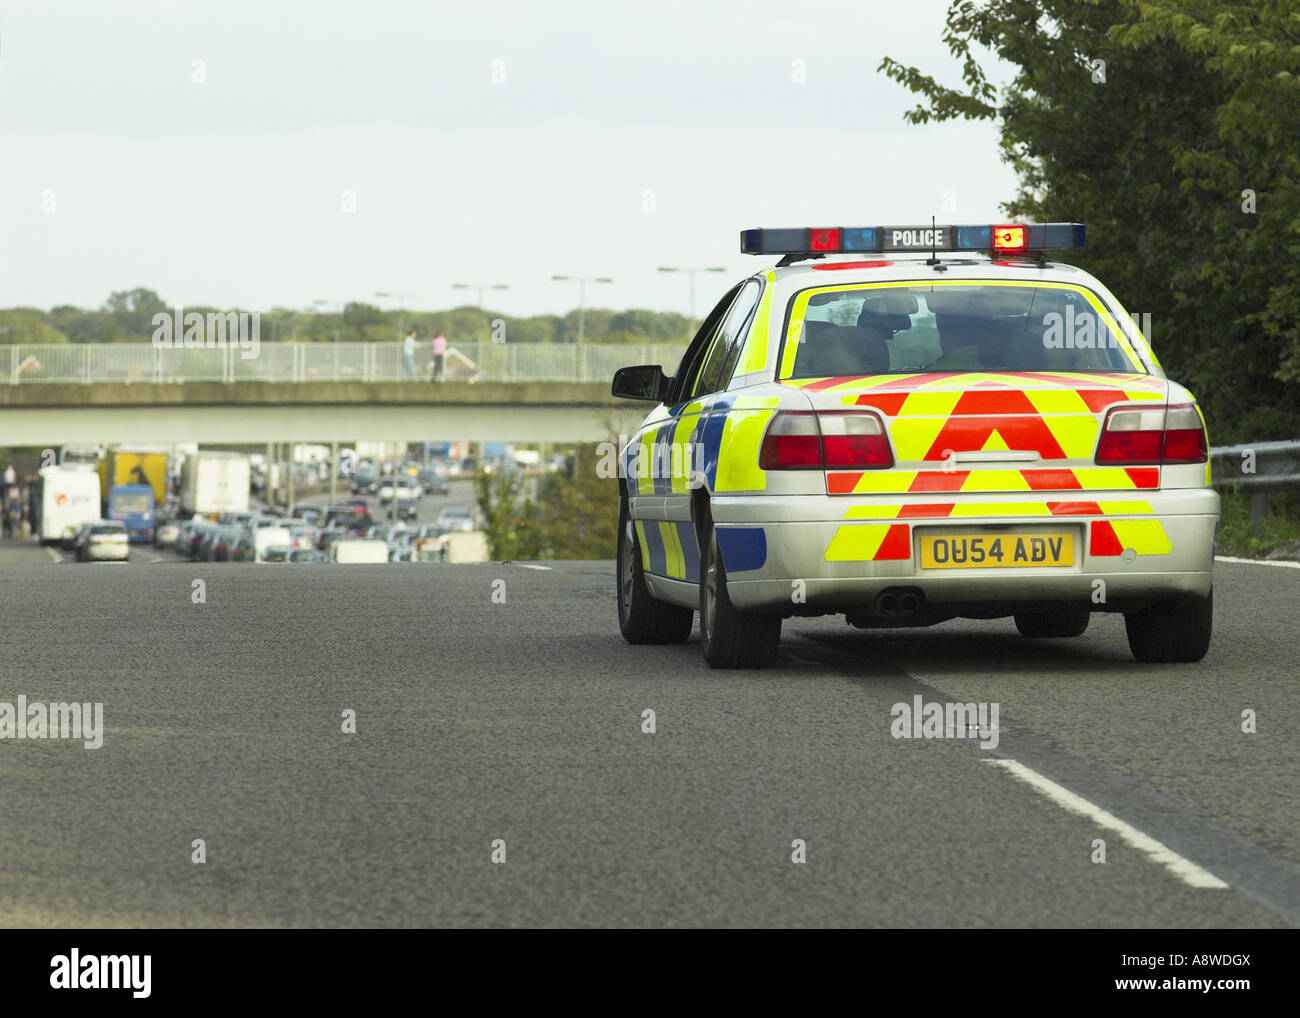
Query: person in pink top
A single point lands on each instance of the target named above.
(439, 354)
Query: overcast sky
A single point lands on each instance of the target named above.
(623, 137)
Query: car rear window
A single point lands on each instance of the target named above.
(952, 327)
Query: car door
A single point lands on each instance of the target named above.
(654, 482)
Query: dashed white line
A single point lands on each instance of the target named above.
(54, 554)
(526, 565)
(1184, 869)
(1257, 562)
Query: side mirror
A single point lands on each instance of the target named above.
(645, 381)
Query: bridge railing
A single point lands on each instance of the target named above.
(90, 363)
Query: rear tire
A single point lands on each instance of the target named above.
(1040, 625)
(641, 617)
(730, 639)
(1171, 631)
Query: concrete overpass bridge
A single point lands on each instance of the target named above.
(314, 392)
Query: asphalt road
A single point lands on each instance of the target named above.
(522, 721)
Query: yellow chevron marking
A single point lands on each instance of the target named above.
(1057, 401)
(645, 548)
(995, 443)
(873, 512)
(995, 480)
(858, 543)
(1092, 478)
(1146, 537)
(742, 434)
(1076, 435)
(913, 436)
(884, 480)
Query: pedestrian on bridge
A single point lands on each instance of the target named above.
(408, 354)
(439, 354)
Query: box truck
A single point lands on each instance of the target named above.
(133, 483)
(215, 482)
(69, 498)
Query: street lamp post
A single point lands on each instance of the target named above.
(691, 273)
(480, 288)
(582, 295)
(401, 308)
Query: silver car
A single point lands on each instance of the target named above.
(906, 438)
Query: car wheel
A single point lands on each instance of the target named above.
(1037, 625)
(1171, 631)
(729, 638)
(642, 618)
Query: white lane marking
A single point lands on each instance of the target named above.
(54, 554)
(154, 558)
(1184, 869)
(1257, 562)
(525, 565)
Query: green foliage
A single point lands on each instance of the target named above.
(1281, 525)
(127, 317)
(1198, 104)
(499, 498)
(575, 515)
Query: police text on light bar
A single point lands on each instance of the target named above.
(1008, 238)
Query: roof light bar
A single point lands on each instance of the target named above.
(1009, 238)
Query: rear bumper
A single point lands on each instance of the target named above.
(800, 554)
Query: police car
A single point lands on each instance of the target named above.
(906, 425)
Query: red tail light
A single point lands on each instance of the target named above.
(832, 440)
(1153, 436)
(792, 442)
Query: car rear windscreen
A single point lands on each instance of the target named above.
(957, 327)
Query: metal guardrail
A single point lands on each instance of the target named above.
(91, 363)
(1257, 467)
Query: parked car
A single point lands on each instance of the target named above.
(365, 481)
(455, 517)
(242, 549)
(306, 556)
(434, 480)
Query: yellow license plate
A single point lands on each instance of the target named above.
(990, 551)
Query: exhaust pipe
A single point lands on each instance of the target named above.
(896, 602)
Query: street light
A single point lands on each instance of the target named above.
(582, 295)
(401, 310)
(691, 272)
(480, 287)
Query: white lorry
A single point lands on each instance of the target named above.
(214, 483)
(69, 498)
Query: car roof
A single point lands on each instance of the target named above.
(911, 266)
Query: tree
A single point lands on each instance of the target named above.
(1147, 124)
(132, 314)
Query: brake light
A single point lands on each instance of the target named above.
(1166, 435)
(834, 440)
(792, 442)
(854, 441)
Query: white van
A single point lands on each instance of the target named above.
(270, 537)
(359, 550)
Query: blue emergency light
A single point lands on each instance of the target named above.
(1009, 238)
